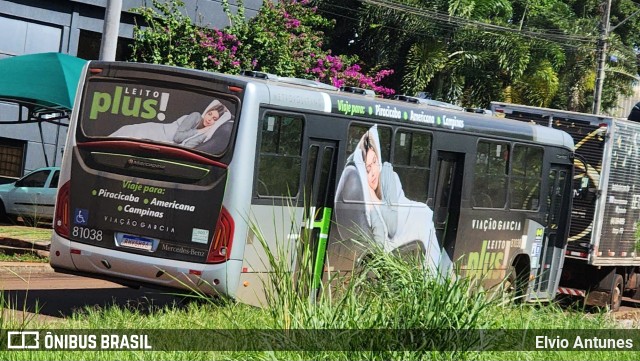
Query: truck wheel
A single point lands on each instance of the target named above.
(615, 295)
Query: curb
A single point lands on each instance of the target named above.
(14, 245)
(24, 268)
(42, 245)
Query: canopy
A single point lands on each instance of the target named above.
(42, 82)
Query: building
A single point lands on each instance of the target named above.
(72, 27)
(626, 104)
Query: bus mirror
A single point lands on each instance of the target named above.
(581, 191)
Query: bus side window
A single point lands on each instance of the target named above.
(280, 160)
(526, 177)
(491, 170)
(411, 160)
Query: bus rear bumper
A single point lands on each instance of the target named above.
(139, 270)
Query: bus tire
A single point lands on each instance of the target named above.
(516, 283)
(615, 295)
(364, 268)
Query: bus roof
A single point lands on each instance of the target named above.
(290, 94)
(316, 96)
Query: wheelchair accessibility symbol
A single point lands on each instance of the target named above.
(80, 216)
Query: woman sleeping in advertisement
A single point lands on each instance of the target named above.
(194, 130)
(370, 198)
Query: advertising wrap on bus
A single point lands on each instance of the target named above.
(371, 203)
(177, 117)
(146, 175)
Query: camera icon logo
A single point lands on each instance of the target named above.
(23, 340)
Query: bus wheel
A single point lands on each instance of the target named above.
(516, 283)
(615, 295)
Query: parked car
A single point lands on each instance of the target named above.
(31, 197)
(4, 180)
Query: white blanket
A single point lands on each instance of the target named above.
(165, 132)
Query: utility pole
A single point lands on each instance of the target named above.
(602, 56)
(110, 29)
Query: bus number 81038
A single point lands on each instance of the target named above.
(87, 233)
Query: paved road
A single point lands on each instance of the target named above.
(58, 295)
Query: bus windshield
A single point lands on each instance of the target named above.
(125, 109)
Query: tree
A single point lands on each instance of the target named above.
(170, 37)
(470, 52)
(286, 38)
(435, 50)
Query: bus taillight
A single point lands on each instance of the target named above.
(220, 249)
(61, 221)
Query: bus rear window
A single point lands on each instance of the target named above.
(195, 120)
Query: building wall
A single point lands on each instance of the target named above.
(625, 104)
(72, 27)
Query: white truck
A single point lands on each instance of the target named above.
(602, 258)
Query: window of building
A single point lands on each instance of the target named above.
(89, 46)
(28, 37)
(11, 157)
(280, 156)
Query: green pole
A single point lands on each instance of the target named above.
(323, 224)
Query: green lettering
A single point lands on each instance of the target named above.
(116, 100)
(131, 110)
(485, 264)
(496, 265)
(149, 109)
(488, 263)
(482, 261)
(100, 104)
(472, 264)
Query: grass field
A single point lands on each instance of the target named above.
(20, 243)
(371, 310)
(446, 307)
(25, 233)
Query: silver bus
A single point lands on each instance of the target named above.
(165, 167)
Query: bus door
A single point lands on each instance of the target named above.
(557, 219)
(449, 175)
(319, 191)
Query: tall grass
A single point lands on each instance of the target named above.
(368, 314)
(386, 293)
(15, 316)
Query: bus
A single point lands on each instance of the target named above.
(164, 167)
